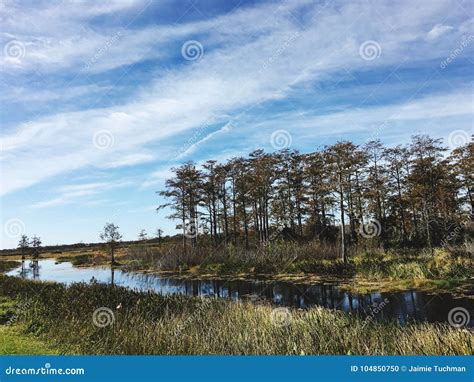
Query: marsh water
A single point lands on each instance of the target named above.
(400, 306)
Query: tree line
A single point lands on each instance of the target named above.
(31, 247)
(410, 195)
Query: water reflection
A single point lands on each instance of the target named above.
(29, 269)
(402, 306)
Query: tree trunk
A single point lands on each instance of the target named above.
(343, 228)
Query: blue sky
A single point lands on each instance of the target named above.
(100, 99)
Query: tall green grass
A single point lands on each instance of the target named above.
(312, 257)
(422, 265)
(147, 323)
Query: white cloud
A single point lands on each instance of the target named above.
(69, 193)
(437, 31)
(192, 148)
(252, 56)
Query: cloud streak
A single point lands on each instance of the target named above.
(239, 71)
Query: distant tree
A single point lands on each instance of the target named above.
(410, 194)
(426, 180)
(462, 159)
(24, 245)
(185, 192)
(142, 236)
(111, 236)
(338, 159)
(396, 157)
(376, 179)
(159, 234)
(36, 245)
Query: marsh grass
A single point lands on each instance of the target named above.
(308, 258)
(424, 265)
(8, 265)
(147, 323)
(273, 258)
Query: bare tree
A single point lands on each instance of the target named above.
(159, 234)
(24, 245)
(142, 236)
(410, 192)
(112, 237)
(36, 245)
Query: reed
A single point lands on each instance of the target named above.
(148, 323)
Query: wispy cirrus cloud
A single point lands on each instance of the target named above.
(70, 193)
(227, 78)
(438, 30)
(104, 88)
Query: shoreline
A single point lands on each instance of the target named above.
(356, 284)
(188, 325)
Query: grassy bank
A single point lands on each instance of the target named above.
(8, 265)
(147, 323)
(15, 340)
(311, 258)
(366, 270)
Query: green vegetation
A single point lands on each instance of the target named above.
(286, 258)
(345, 196)
(147, 323)
(8, 265)
(14, 340)
(437, 264)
